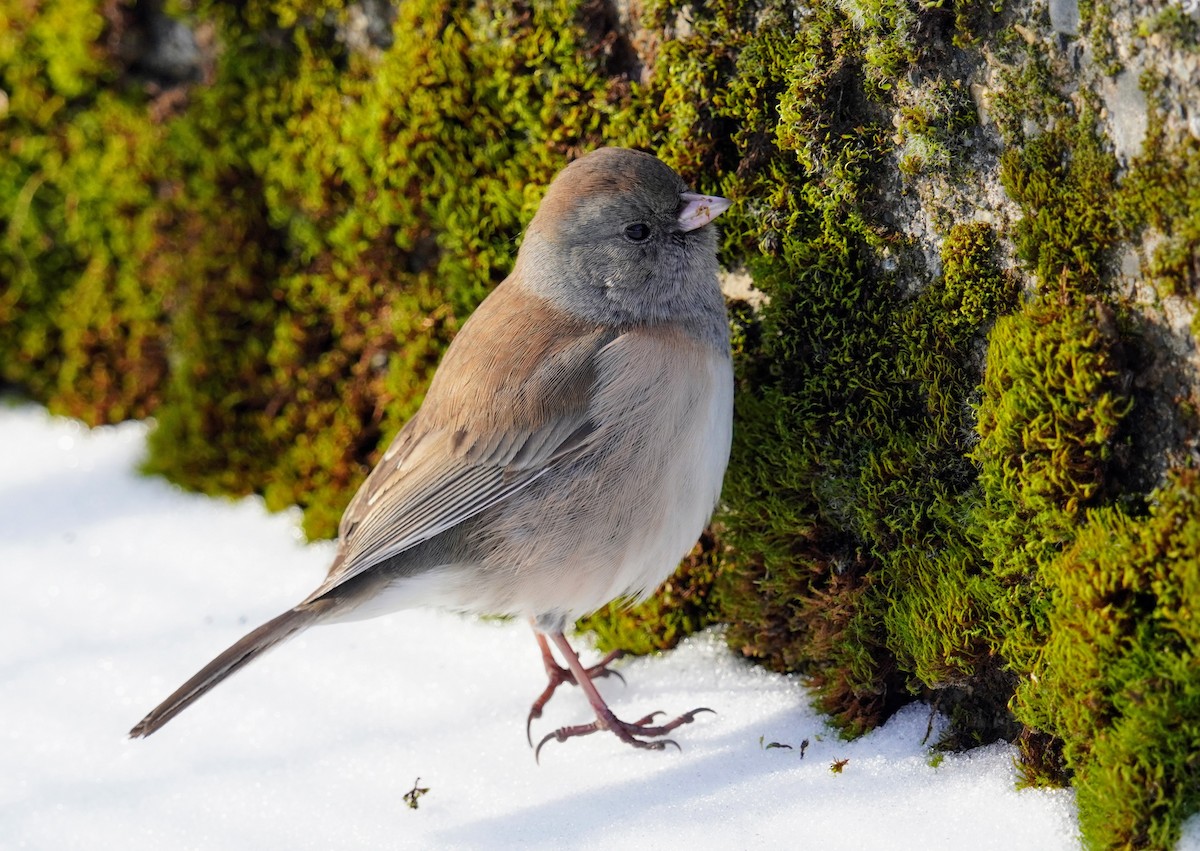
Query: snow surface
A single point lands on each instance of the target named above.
(120, 586)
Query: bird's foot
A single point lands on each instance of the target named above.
(633, 733)
(558, 675)
(642, 733)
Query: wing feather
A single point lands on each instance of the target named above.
(458, 457)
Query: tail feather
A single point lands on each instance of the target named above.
(245, 649)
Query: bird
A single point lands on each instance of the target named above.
(571, 446)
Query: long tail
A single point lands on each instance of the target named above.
(247, 648)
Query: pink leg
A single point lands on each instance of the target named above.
(605, 719)
(559, 675)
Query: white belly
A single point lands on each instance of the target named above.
(671, 425)
(689, 492)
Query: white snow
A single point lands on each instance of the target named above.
(119, 587)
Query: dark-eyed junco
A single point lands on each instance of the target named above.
(572, 444)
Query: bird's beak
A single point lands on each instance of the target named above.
(699, 210)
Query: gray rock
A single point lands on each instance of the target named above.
(171, 53)
(1127, 116)
(1064, 16)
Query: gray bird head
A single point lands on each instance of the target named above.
(619, 240)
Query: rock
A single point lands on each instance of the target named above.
(1064, 16)
(1128, 119)
(170, 55)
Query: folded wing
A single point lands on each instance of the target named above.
(471, 447)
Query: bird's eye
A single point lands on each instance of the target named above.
(637, 232)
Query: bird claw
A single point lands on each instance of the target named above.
(559, 675)
(626, 731)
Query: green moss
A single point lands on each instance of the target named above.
(973, 19)
(932, 131)
(1162, 192)
(1026, 98)
(1064, 181)
(83, 295)
(1118, 677)
(1052, 406)
(1049, 423)
(1095, 19)
(1050, 413)
(973, 290)
(1180, 29)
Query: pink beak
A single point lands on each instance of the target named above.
(699, 210)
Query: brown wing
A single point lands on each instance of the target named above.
(509, 402)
